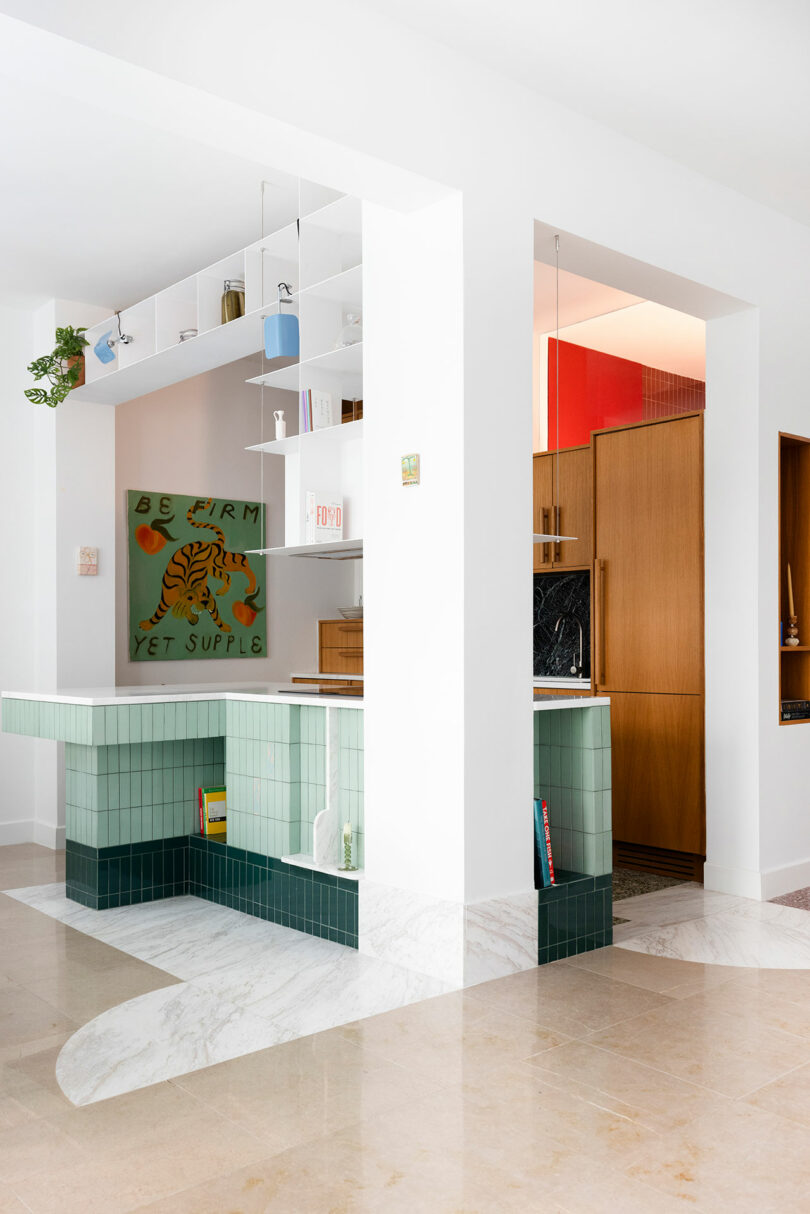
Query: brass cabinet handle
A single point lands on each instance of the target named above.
(350, 653)
(545, 532)
(351, 627)
(558, 530)
(600, 621)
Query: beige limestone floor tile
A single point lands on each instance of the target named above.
(30, 864)
(568, 1000)
(532, 1105)
(152, 1120)
(793, 986)
(29, 1089)
(24, 1049)
(714, 1049)
(83, 996)
(450, 1038)
(593, 1188)
(630, 1089)
(743, 1159)
(305, 1088)
(434, 1155)
(758, 1006)
(665, 975)
(26, 1017)
(789, 1096)
(9, 1204)
(126, 1182)
(33, 1147)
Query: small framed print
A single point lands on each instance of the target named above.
(410, 469)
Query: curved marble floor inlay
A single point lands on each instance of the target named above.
(688, 923)
(246, 984)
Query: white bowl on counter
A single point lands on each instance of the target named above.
(351, 613)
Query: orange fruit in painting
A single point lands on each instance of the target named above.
(147, 539)
(246, 612)
(151, 538)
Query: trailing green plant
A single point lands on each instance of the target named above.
(62, 368)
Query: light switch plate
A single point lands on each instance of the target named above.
(87, 562)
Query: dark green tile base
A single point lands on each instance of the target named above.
(574, 916)
(316, 903)
(101, 877)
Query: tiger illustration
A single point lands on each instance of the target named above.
(185, 583)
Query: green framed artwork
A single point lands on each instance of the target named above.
(193, 591)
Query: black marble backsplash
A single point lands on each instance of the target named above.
(555, 595)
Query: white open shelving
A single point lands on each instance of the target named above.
(329, 224)
(329, 290)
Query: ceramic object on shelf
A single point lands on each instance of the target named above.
(281, 335)
(351, 613)
(352, 332)
(281, 425)
(103, 350)
(187, 334)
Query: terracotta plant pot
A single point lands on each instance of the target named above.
(71, 362)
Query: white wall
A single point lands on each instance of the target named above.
(516, 158)
(190, 438)
(18, 595)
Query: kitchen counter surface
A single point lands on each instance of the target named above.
(546, 703)
(97, 697)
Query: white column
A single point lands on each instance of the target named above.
(447, 587)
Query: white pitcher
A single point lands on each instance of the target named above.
(281, 425)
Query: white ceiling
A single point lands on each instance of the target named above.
(74, 218)
(722, 86)
(602, 318)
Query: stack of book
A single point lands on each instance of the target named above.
(213, 811)
(795, 710)
(318, 411)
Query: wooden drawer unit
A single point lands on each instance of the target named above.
(340, 646)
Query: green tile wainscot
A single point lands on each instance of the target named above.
(135, 758)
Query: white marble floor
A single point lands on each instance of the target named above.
(688, 923)
(244, 985)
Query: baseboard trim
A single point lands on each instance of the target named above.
(742, 882)
(16, 832)
(49, 836)
(778, 881)
(31, 831)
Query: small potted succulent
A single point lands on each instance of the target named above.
(63, 368)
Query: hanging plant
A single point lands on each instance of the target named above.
(63, 368)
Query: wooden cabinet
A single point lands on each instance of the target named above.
(658, 770)
(340, 646)
(648, 578)
(794, 544)
(563, 504)
(647, 613)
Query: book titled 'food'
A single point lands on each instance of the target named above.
(324, 517)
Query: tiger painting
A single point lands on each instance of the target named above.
(185, 590)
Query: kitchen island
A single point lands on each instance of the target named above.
(293, 767)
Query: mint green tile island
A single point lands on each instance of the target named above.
(136, 757)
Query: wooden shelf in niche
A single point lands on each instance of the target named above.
(794, 549)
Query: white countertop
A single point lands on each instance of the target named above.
(96, 697)
(546, 703)
(569, 684)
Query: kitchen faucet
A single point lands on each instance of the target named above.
(575, 669)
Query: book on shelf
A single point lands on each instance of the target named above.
(323, 410)
(323, 517)
(795, 710)
(213, 810)
(543, 862)
(305, 412)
